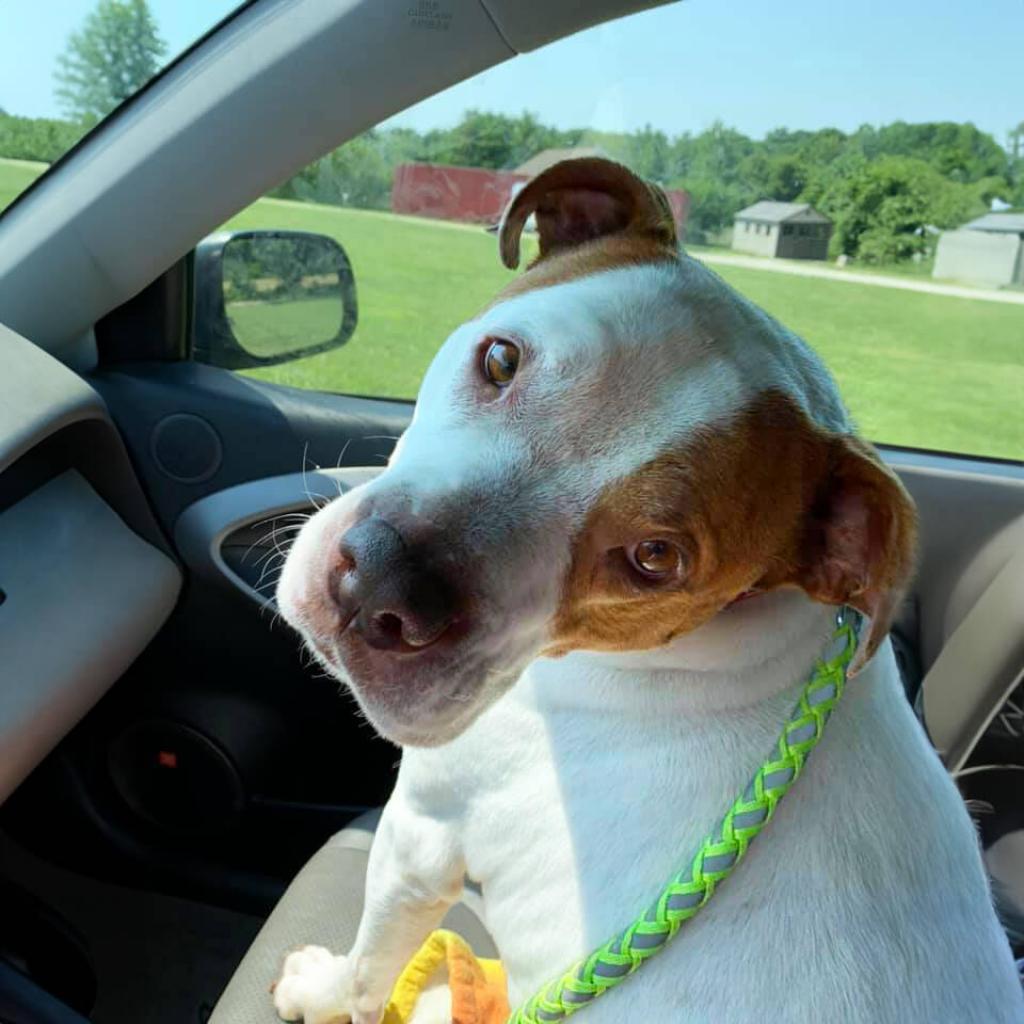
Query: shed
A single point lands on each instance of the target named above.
(1008, 223)
(793, 231)
(988, 250)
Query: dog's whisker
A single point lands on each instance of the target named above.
(270, 552)
(270, 538)
(272, 522)
(269, 555)
(305, 482)
(344, 449)
(273, 561)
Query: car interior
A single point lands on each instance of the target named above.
(172, 768)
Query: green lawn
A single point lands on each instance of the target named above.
(923, 370)
(916, 369)
(272, 328)
(15, 177)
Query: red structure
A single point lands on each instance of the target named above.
(452, 193)
(475, 194)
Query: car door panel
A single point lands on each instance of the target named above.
(244, 429)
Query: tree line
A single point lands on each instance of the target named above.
(884, 187)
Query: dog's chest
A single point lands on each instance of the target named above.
(577, 817)
(580, 816)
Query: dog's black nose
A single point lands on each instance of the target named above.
(389, 590)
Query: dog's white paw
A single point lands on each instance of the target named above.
(319, 988)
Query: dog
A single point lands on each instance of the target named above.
(583, 597)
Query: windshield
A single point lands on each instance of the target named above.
(65, 67)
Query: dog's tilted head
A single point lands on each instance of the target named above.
(605, 458)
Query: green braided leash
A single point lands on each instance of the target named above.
(688, 891)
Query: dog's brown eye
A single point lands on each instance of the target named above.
(655, 559)
(501, 360)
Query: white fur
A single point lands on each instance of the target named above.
(575, 787)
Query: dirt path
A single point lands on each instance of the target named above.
(852, 277)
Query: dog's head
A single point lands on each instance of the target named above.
(605, 458)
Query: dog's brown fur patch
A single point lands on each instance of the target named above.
(576, 201)
(611, 253)
(768, 500)
(592, 215)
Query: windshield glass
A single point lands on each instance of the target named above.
(65, 67)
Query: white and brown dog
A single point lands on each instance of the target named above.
(538, 601)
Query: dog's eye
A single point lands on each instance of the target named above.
(655, 559)
(501, 360)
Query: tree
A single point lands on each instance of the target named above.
(36, 138)
(497, 141)
(480, 139)
(960, 152)
(718, 153)
(648, 154)
(713, 205)
(116, 52)
(356, 174)
(1016, 141)
(882, 210)
(1015, 146)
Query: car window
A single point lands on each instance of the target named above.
(65, 67)
(857, 172)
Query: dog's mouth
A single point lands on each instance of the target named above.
(420, 696)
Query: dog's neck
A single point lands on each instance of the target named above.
(746, 655)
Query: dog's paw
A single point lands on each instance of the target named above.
(319, 988)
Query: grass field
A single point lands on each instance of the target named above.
(15, 177)
(924, 370)
(273, 328)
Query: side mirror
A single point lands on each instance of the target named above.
(266, 297)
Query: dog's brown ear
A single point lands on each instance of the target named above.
(859, 543)
(579, 200)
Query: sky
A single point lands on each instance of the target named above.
(754, 65)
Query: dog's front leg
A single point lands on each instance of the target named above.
(415, 873)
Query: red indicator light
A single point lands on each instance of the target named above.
(167, 759)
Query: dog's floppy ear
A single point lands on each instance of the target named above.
(576, 201)
(859, 542)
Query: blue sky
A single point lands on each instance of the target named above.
(754, 65)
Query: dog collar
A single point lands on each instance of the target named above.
(689, 890)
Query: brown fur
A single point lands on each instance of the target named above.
(592, 215)
(769, 500)
(576, 201)
(610, 253)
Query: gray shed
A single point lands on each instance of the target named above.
(998, 223)
(794, 231)
(987, 251)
